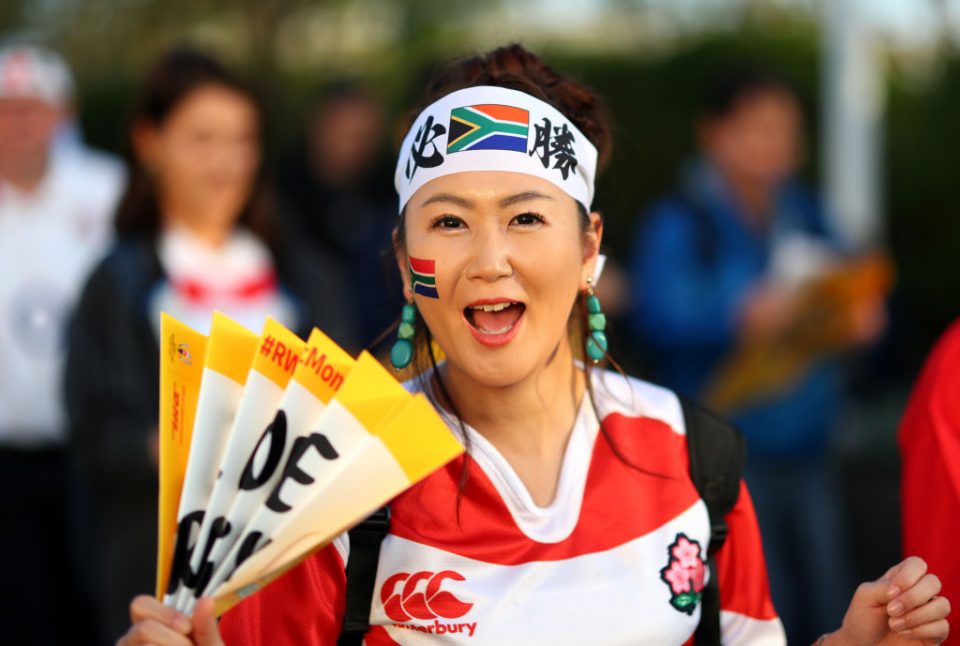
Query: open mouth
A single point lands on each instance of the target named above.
(494, 319)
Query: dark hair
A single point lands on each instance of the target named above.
(342, 90)
(173, 78)
(515, 68)
(729, 89)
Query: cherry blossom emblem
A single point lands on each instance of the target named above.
(684, 573)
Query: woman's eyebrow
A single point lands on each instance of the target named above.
(524, 197)
(448, 199)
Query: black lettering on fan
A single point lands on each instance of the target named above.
(276, 435)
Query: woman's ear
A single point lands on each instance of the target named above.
(592, 238)
(403, 264)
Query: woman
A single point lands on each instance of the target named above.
(573, 518)
(194, 235)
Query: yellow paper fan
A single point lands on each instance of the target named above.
(338, 441)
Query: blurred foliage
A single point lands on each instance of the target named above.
(922, 197)
(655, 103)
(291, 47)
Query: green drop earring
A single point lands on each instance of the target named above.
(597, 322)
(401, 354)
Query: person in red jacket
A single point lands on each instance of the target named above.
(929, 441)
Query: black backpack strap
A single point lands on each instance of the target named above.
(717, 456)
(365, 540)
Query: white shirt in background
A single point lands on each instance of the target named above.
(50, 239)
(237, 278)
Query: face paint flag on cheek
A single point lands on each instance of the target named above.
(489, 128)
(423, 277)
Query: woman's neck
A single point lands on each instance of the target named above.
(529, 417)
(213, 235)
(529, 422)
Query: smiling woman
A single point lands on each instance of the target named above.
(573, 518)
(511, 257)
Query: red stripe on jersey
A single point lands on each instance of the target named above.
(304, 607)
(621, 503)
(743, 552)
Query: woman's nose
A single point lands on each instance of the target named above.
(491, 257)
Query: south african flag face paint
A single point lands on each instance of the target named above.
(423, 277)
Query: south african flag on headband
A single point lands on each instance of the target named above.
(423, 277)
(488, 127)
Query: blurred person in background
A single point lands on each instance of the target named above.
(929, 440)
(195, 233)
(55, 210)
(742, 298)
(335, 186)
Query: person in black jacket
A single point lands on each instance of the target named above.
(337, 190)
(194, 234)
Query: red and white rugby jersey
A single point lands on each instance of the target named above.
(617, 558)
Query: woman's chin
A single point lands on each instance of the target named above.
(502, 365)
(489, 371)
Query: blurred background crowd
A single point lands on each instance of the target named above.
(780, 224)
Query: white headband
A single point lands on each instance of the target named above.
(491, 128)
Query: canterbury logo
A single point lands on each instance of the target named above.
(418, 596)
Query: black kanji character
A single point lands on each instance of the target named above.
(557, 144)
(542, 142)
(562, 149)
(418, 152)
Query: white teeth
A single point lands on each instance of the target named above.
(495, 307)
(502, 330)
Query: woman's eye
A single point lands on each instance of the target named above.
(527, 219)
(448, 222)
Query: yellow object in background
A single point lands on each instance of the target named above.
(825, 324)
(181, 368)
